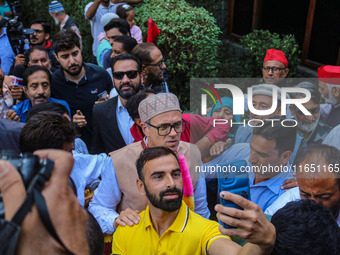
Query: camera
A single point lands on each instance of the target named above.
(33, 170)
(18, 36)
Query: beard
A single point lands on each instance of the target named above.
(309, 127)
(73, 73)
(165, 204)
(57, 22)
(126, 94)
(155, 80)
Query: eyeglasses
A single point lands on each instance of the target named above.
(273, 68)
(159, 64)
(38, 31)
(130, 74)
(165, 129)
(312, 111)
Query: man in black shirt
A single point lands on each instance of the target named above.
(80, 84)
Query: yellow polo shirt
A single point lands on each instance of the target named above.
(189, 234)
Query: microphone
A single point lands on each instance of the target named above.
(16, 78)
(18, 74)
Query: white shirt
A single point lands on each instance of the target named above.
(125, 122)
(88, 168)
(96, 27)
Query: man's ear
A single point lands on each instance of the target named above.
(140, 186)
(285, 72)
(47, 36)
(145, 128)
(144, 70)
(56, 56)
(336, 92)
(285, 156)
(138, 121)
(25, 89)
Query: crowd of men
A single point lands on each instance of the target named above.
(130, 172)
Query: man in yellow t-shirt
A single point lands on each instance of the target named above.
(167, 226)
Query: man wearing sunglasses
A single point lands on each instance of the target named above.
(309, 126)
(111, 120)
(153, 67)
(275, 67)
(162, 125)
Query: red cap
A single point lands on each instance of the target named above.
(276, 55)
(329, 74)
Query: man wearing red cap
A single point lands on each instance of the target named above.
(275, 67)
(329, 87)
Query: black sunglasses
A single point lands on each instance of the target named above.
(130, 74)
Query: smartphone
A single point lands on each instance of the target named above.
(235, 180)
(102, 95)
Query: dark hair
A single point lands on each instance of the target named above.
(31, 70)
(46, 130)
(46, 26)
(121, 24)
(143, 52)
(38, 48)
(47, 107)
(284, 136)
(319, 153)
(122, 12)
(95, 236)
(128, 42)
(312, 88)
(126, 56)
(65, 40)
(150, 154)
(134, 101)
(305, 227)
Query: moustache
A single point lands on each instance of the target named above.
(170, 191)
(126, 84)
(41, 97)
(73, 66)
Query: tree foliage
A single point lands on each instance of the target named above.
(257, 43)
(188, 40)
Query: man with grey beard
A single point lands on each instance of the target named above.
(309, 126)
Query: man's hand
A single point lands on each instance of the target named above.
(17, 92)
(79, 119)
(251, 223)
(12, 115)
(88, 198)
(20, 59)
(103, 99)
(290, 183)
(219, 147)
(67, 216)
(127, 217)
